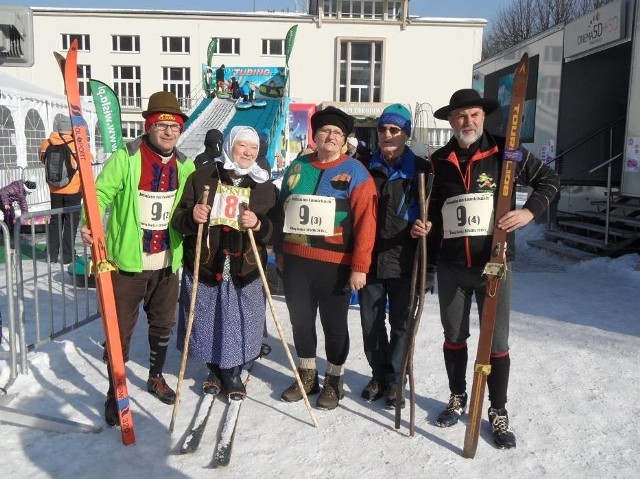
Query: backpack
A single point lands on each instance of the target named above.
(58, 166)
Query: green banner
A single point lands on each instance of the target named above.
(288, 43)
(213, 46)
(108, 110)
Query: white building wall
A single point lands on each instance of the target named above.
(423, 63)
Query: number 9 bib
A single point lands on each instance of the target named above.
(468, 215)
(155, 209)
(309, 215)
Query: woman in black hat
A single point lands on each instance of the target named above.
(467, 173)
(328, 203)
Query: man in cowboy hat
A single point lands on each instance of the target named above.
(467, 173)
(142, 184)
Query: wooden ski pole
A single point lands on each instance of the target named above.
(411, 313)
(424, 193)
(192, 310)
(254, 247)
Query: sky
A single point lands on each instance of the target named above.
(432, 8)
(575, 346)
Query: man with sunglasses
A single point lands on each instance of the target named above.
(394, 168)
(141, 184)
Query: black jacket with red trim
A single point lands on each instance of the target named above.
(482, 174)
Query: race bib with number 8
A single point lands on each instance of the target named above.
(227, 206)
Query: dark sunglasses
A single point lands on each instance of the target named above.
(393, 130)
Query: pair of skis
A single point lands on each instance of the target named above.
(224, 446)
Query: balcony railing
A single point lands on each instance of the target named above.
(134, 103)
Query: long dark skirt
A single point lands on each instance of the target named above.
(229, 322)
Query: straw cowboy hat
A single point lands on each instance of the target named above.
(467, 97)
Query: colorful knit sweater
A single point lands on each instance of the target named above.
(348, 181)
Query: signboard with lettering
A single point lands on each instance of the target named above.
(597, 29)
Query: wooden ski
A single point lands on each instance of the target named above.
(102, 266)
(495, 269)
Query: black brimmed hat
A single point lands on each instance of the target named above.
(467, 97)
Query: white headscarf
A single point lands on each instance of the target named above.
(238, 133)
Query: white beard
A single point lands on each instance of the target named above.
(466, 140)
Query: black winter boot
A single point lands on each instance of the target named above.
(232, 383)
(391, 398)
(373, 390)
(111, 416)
(502, 435)
(213, 384)
(455, 408)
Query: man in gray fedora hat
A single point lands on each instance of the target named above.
(467, 172)
(142, 184)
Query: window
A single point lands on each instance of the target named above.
(84, 74)
(553, 54)
(229, 46)
(100, 153)
(127, 85)
(34, 133)
(132, 129)
(273, 47)
(367, 9)
(8, 153)
(394, 9)
(330, 8)
(125, 43)
(177, 80)
(84, 44)
(176, 45)
(360, 71)
(352, 9)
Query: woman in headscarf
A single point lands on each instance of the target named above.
(230, 311)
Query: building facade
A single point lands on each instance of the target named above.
(359, 54)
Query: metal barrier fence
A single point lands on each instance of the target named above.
(39, 199)
(9, 312)
(44, 300)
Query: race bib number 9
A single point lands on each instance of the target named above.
(227, 206)
(468, 215)
(309, 215)
(155, 209)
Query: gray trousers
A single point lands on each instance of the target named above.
(457, 285)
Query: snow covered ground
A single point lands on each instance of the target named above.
(575, 344)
